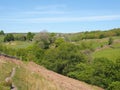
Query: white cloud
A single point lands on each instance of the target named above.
(44, 12)
(64, 19)
(46, 9)
(51, 7)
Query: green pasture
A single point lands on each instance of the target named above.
(110, 53)
(18, 44)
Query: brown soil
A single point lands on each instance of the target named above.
(62, 82)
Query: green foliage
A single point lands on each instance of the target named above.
(59, 41)
(43, 39)
(34, 53)
(20, 37)
(116, 31)
(101, 72)
(63, 58)
(30, 36)
(114, 86)
(2, 38)
(83, 72)
(104, 71)
(2, 32)
(52, 37)
(101, 36)
(86, 45)
(8, 38)
(110, 41)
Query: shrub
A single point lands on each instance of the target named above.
(114, 86)
(110, 41)
(9, 37)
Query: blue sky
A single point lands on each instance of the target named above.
(59, 15)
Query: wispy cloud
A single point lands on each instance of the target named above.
(64, 19)
(51, 7)
(44, 12)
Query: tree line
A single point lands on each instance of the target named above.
(20, 37)
(92, 35)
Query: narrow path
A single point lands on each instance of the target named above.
(13, 87)
(9, 80)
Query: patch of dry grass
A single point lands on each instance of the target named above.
(28, 80)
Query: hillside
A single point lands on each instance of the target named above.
(92, 57)
(30, 76)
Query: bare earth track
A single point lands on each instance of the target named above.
(62, 82)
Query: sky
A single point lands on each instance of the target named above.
(65, 16)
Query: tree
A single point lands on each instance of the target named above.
(110, 41)
(30, 36)
(43, 39)
(52, 38)
(104, 72)
(2, 32)
(59, 41)
(101, 36)
(9, 37)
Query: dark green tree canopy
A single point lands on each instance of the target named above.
(2, 32)
(30, 36)
(9, 37)
(110, 41)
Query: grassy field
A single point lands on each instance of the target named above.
(94, 43)
(110, 53)
(101, 48)
(18, 44)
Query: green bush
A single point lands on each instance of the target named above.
(110, 41)
(114, 86)
(9, 37)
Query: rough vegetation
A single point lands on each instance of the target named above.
(92, 57)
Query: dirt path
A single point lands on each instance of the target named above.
(9, 80)
(102, 48)
(13, 87)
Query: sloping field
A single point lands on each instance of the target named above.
(30, 76)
